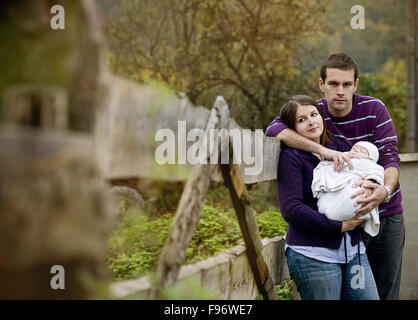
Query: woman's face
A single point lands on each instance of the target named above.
(309, 123)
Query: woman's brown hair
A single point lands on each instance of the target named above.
(288, 113)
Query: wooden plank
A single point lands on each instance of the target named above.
(249, 229)
(127, 125)
(188, 211)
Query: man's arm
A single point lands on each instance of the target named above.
(294, 140)
(391, 178)
(385, 139)
(379, 193)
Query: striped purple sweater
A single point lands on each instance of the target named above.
(369, 120)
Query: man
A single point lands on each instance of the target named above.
(354, 118)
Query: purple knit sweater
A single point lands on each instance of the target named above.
(307, 227)
(369, 120)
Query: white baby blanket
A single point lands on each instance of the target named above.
(334, 190)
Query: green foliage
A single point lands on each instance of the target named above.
(283, 290)
(382, 39)
(188, 289)
(218, 196)
(271, 224)
(389, 85)
(135, 245)
(217, 230)
(263, 195)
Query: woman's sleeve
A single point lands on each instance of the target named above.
(291, 202)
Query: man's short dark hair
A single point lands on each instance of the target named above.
(339, 61)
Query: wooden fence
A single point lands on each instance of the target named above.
(126, 145)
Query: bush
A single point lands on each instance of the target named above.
(217, 231)
(283, 290)
(135, 245)
(271, 224)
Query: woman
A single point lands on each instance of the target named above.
(326, 258)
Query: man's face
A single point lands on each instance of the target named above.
(338, 88)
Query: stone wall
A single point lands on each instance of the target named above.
(409, 187)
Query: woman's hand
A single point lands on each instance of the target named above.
(350, 224)
(338, 157)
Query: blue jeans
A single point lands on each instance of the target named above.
(318, 280)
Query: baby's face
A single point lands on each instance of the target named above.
(361, 151)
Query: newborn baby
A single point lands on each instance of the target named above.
(334, 190)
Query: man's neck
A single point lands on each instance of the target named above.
(340, 113)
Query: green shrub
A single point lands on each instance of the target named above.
(283, 291)
(135, 245)
(271, 224)
(217, 231)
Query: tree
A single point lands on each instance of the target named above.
(241, 49)
(389, 85)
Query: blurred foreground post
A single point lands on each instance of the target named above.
(55, 209)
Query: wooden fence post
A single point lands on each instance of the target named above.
(188, 211)
(246, 219)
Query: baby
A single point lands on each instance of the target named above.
(334, 190)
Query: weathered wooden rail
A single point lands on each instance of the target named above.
(126, 127)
